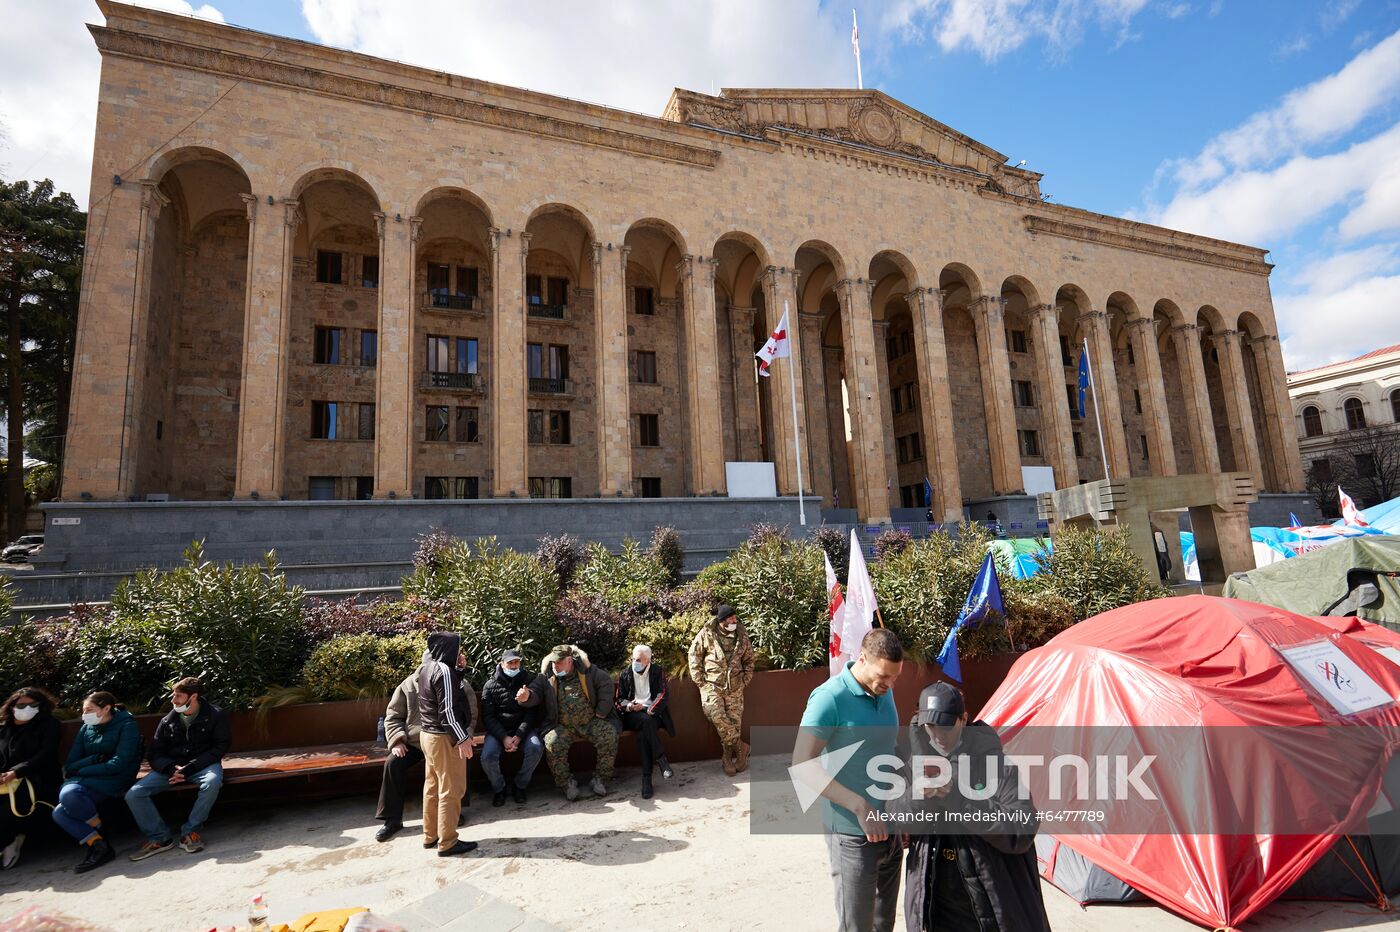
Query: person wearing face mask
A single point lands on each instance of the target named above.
(189, 747)
(721, 664)
(29, 773)
(510, 726)
(578, 706)
(642, 702)
(969, 883)
(402, 736)
(102, 763)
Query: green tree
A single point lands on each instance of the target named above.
(41, 255)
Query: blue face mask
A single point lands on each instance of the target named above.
(561, 674)
(509, 672)
(638, 666)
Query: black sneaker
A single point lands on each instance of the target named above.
(646, 787)
(666, 770)
(462, 847)
(99, 853)
(388, 830)
(518, 793)
(499, 797)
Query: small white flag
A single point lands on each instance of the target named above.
(834, 601)
(858, 611)
(1350, 513)
(777, 347)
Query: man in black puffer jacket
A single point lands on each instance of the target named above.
(509, 726)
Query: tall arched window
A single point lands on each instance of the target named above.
(1312, 421)
(1355, 414)
(1395, 406)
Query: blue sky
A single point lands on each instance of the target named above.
(1263, 121)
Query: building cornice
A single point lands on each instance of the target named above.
(247, 67)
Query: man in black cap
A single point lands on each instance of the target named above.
(721, 664)
(510, 726)
(968, 883)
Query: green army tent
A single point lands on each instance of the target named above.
(1360, 577)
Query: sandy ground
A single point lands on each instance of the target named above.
(684, 860)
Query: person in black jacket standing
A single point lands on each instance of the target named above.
(509, 726)
(445, 735)
(189, 747)
(641, 701)
(29, 771)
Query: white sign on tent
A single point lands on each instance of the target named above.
(1345, 685)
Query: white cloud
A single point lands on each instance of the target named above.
(1299, 44)
(623, 53)
(993, 28)
(1324, 325)
(1340, 270)
(48, 89)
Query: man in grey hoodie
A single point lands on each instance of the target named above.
(445, 734)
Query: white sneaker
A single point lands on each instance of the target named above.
(598, 788)
(10, 856)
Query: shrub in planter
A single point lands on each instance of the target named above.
(1096, 570)
(597, 627)
(1036, 613)
(494, 597)
(238, 628)
(36, 653)
(669, 639)
(621, 579)
(561, 554)
(323, 620)
(778, 588)
(666, 550)
(837, 544)
(892, 542)
(361, 666)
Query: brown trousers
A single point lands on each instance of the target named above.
(444, 782)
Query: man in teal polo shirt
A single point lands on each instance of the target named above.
(856, 707)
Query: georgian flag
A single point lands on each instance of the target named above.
(856, 616)
(855, 34)
(834, 600)
(777, 347)
(1350, 513)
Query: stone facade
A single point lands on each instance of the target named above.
(346, 277)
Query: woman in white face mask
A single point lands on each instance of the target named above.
(29, 774)
(102, 763)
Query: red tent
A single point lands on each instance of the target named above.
(1204, 661)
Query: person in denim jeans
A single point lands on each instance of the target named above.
(509, 727)
(189, 746)
(102, 762)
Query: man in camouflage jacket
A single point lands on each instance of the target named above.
(721, 664)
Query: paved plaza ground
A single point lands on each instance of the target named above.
(684, 860)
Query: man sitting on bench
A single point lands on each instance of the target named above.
(188, 747)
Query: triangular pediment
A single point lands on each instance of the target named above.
(867, 118)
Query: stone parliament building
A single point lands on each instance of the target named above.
(313, 274)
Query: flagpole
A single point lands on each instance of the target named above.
(1098, 423)
(855, 43)
(796, 438)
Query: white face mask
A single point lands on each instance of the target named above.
(91, 718)
(182, 709)
(733, 627)
(26, 714)
(508, 671)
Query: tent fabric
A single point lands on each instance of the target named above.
(1077, 876)
(1384, 517)
(1206, 661)
(1320, 583)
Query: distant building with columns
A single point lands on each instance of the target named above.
(314, 274)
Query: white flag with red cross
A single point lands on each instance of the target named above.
(1350, 513)
(834, 600)
(777, 347)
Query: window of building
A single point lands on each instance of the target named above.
(1018, 341)
(366, 422)
(160, 429)
(1030, 442)
(916, 446)
(435, 423)
(1321, 471)
(901, 449)
(648, 430)
(547, 362)
(1132, 361)
(551, 487)
(911, 396)
(534, 425)
(1072, 394)
(906, 342)
(1355, 414)
(328, 267)
(646, 486)
(1066, 357)
(323, 418)
(369, 348)
(364, 488)
(1078, 444)
(320, 488)
(468, 281)
(891, 348)
(369, 271)
(897, 400)
(644, 367)
(534, 290)
(1146, 451)
(1366, 465)
(466, 428)
(908, 448)
(452, 354)
(466, 355)
(439, 278)
(445, 487)
(558, 362)
(559, 427)
(327, 351)
(1395, 406)
(644, 302)
(911, 496)
(1023, 393)
(558, 291)
(1312, 421)
(1137, 401)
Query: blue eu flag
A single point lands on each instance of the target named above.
(928, 493)
(1083, 376)
(983, 603)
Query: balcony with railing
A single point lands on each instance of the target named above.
(446, 301)
(452, 381)
(549, 386)
(549, 311)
